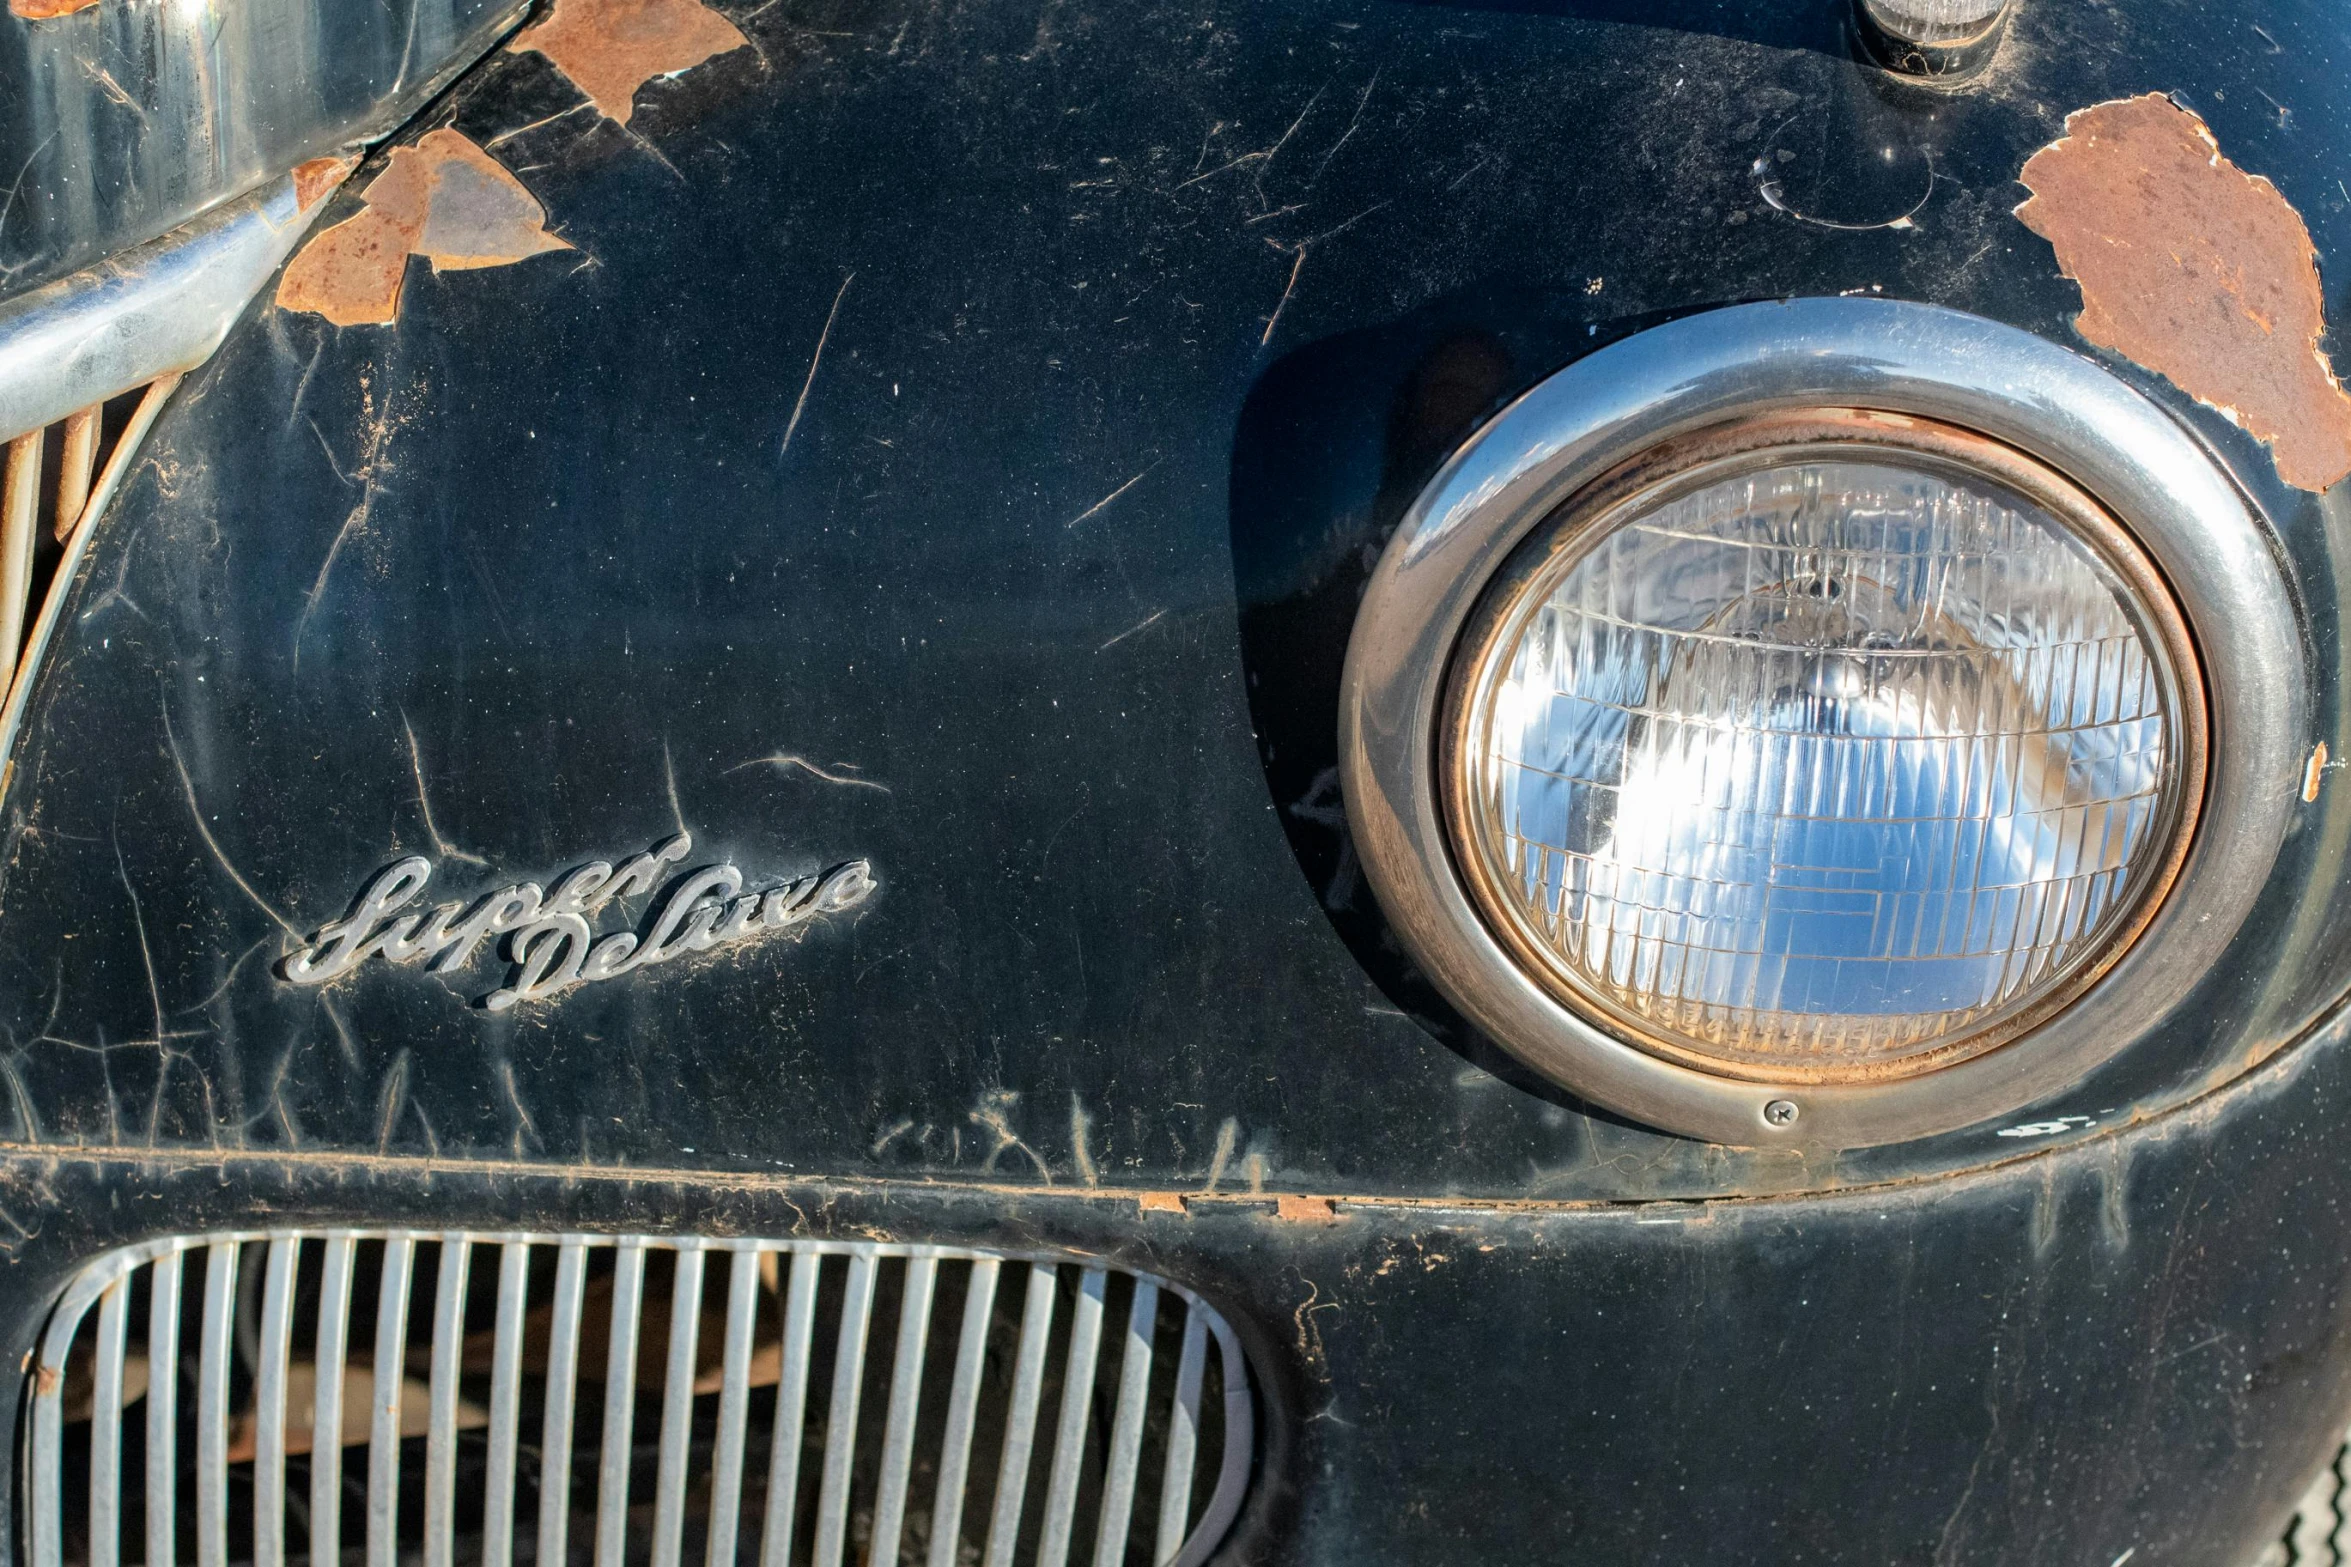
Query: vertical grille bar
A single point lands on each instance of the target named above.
(1020, 1421)
(269, 1404)
(783, 1472)
(840, 1437)
(620, 1397)
(677, 1407)
(20, 516)
(326, 1420)
(440, 1450)
(212, 1405)
(384, 1384)
(726, 1463)
(514, 1262)
(914, 1326)
(163, 1412)
(106, 1425)
(1126, 1427)
(77, 464)
(563, 1362)
(1069, 1436)
(1183, 1439)
(963, 1404)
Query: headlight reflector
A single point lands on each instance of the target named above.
(1834, 749)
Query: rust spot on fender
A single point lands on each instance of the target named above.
(45, 10)
(315, 180)
(610, 48)
(444, 199)
(2199, 271)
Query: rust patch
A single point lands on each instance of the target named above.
(2314, 773)
(610, 48)
(1160, 1202)
(46, 10)
(1304, 1210)
(46, 1382)
(317, 179)
(444, 199)
(2199, 271)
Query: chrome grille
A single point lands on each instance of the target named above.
(600, 1400)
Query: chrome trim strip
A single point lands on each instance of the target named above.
(1126, 1428)
(1875, 354)
(450, 1272)
(331, 1360)
(791, 1428)
(1020, 1424)
(216, 1355)
(514, 1261)
(677, 1407)
(914, 1327)
(563, 1371)
(620, 1401)
(163, 1409)
(383, 1440)
(269, 1404)
(963, 1404)
(1069, 1433)
(734, 1407)
(157, 308)
(840, 1416)
(1183, 1438)
(106, 1425)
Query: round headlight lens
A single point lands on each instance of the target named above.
(1825, 761)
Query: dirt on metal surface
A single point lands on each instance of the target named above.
(2196, 269)
(444, 199)
(611, 48)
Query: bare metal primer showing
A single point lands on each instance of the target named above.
(2197, 270)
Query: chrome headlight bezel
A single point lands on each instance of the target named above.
(1610, 411)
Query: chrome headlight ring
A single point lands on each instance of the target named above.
(1589, 421)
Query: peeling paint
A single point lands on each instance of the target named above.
(1160, 1202)
(444, 199)
(2197, 270)
(317, 179)
(1304, 1210)
(610, 48)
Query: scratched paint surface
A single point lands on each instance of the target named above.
(901, 466)
(956, 443)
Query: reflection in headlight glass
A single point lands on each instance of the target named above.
(1822, 765)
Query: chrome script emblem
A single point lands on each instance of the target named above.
(551, 938)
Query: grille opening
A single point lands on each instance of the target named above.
(909, 1362)
(46, 484)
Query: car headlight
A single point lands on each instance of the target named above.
(1795, 720)
(1847, 749)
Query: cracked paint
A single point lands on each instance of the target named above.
(611, 48)
(444, 199)
(2197, 270)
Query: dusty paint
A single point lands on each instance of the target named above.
(2314, 773)
(610, 48)
(44, 10)
(2199, 271)
(444, 199)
